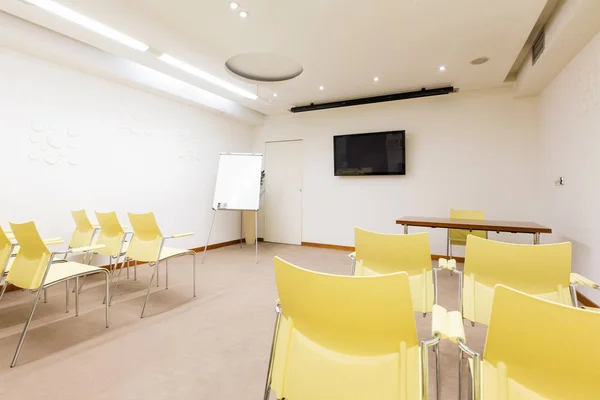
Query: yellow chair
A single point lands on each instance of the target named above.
(458, 237)
(147, 245)
(114, 238)
(6, 253)
(34, 269)
(536, 350)
(543, 271)
(9, 250)
(84, 232)
(379, 253)
(345, 337)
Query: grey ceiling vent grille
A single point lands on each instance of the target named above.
(538, 46)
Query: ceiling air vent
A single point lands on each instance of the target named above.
(538, 46)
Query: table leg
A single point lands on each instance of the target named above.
(406, 229)
(536, 238)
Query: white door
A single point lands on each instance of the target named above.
(283, 192)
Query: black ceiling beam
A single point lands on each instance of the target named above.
(377, 99)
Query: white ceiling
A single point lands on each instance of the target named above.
(341, 44)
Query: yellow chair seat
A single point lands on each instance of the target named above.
(67, 270)
(168, 252)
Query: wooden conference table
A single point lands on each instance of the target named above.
(476, 225)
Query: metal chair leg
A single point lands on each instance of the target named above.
(574, 296)
(460, 370)
(271, 357)
(194, 273)
(24, 333)
(77, 297)
(148, 291)
(45, 295)
(127, 268)
(167, 274)
(436, 351)
(67, 296)
(4, 285)
(107, 289)
(112, 292)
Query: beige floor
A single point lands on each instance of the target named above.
(212, 347)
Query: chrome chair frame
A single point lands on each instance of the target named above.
(43, 287)
(166, 260)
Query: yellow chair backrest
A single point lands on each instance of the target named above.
(84, 231)
(380, 253)
(147, 238)
(5, 251)
(111, 234)
(542, 348)
(389, 253)
(32, 259)
(344, 337)
(539, 270)
(459, 236)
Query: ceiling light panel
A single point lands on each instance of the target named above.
(206, 76)
(88, 23)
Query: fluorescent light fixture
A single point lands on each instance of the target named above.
(206, 76)
(321, 87)
(88, 23)
(442, 68)
(233, 5)
(243, 14)
(274, 94)
(376, 79)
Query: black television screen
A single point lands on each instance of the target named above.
(379, 153)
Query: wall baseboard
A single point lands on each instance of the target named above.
(584, 301)
(200, 249)
(328, 246)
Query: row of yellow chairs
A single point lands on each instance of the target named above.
(355, 337)
(540, 270)
(27, 263)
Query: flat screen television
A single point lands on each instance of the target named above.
(378, 153)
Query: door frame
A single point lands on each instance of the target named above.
(301, 187)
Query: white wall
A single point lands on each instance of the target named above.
(569, 146)
(104, 146)
(466, 150)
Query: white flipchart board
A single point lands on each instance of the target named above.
(238, 182)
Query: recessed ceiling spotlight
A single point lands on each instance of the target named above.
(376, 79)
(233, 5)
(442, 68)
(243, 14)
(274, 94)
(480, 60)
(321, 87)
